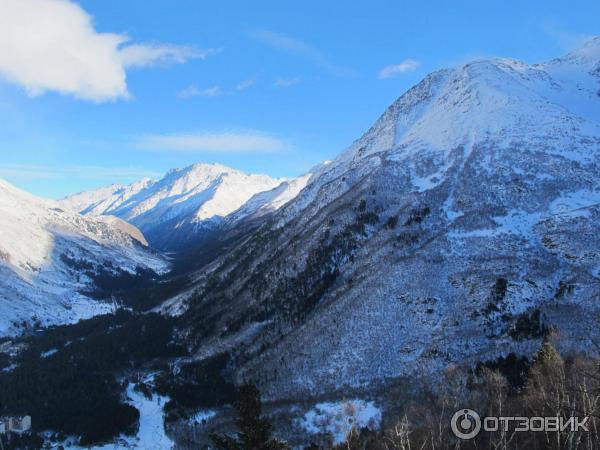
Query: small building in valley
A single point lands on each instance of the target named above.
(16, 424)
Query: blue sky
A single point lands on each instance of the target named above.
(266, 86)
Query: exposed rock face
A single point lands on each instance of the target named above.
(125, 227)
(470, 205)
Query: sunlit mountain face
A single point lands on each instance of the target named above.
(271, 292)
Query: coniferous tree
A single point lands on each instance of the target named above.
(254, 431)
(547, 356)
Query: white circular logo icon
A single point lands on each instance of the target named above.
(465, 424)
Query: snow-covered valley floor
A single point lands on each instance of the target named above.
(151, 434)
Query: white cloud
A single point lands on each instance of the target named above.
(287, 82)
(51, 45)
(37, 172)
(408, 65)
(299, 49)
(243, 141)
(245, 84)
(214, 91)
(194, 91)
(137, 55)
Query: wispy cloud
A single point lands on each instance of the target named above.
(215, 91)
(194, 91)
(287, 82)
(238, 141)
(245, 84)
(38, 172)
(408, 65)
(566, 40)
(299, 49)
(51, 45)
(142, 55)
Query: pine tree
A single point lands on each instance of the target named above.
(254, 431)
(547, 356)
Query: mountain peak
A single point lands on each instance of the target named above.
(183, 200)
(449, 107)
(199, 167)
(587, 54)
(590, 48)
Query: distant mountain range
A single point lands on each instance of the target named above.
(185, 203)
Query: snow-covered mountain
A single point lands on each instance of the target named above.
(175, 208)
(104, 200)
(460, 227)
(49, 256)
(269, 201)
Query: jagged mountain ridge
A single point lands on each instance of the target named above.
(458, 228)
(40, 246)
(174, 209)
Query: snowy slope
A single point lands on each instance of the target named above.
(269, 201)
(104, 200)
(183, 202)
(501, 100)
(470, 205)
(37, 239)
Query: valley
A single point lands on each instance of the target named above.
(459, 235)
